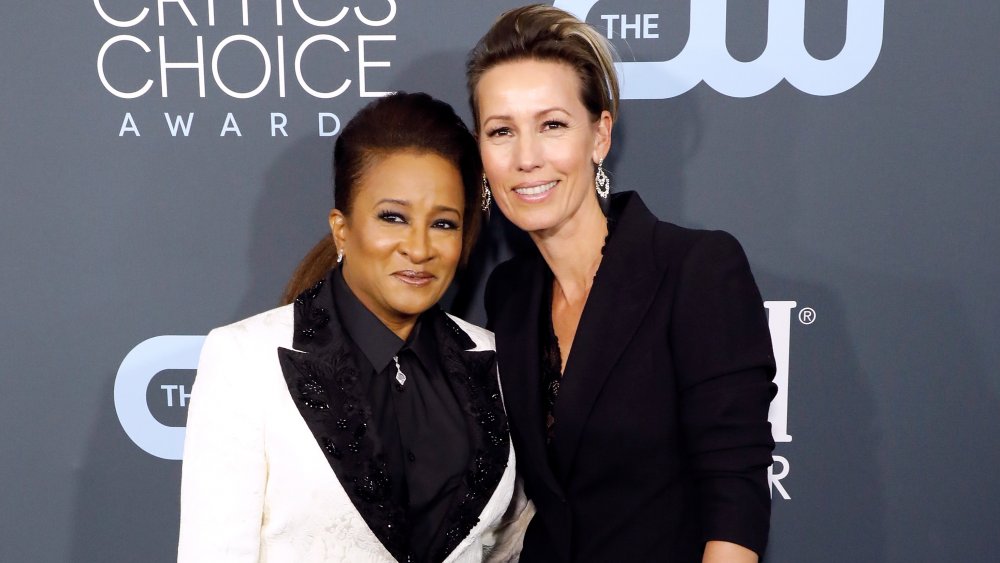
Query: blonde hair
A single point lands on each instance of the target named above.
(549, 34)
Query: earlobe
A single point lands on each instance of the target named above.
(338, 227)
(602, 144)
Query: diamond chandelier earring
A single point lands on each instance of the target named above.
(601, 181)
(487, 194)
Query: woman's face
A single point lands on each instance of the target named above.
(538, 142)
(402, 238)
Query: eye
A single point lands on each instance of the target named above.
(446, 224)
(391, 216)
(499, 132)
(553, 124)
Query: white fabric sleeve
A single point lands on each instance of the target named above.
(509, 535)
(225, 471)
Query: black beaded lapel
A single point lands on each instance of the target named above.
(324, 381)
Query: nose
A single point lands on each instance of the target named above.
(417, 245)
(528, 152)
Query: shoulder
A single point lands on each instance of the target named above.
(669, 240)
(482, 338)
(683, 244)
(696, 250)
(277, 318)
(262, 331)
(238, 364)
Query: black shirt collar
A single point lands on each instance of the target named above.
(374, 339)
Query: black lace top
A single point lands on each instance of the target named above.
(551, 360)
(551, 355)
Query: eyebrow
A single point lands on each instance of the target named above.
(537, 114)
(405, 203)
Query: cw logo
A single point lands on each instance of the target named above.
(705, 56)
(147, 359)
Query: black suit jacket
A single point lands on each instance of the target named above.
(662, 440)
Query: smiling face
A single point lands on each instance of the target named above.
(402, 237)
(539, 143)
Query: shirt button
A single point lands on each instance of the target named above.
(410, 456)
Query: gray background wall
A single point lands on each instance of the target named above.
(876, 207)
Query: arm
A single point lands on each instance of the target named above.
(725, 364)
(224, 471)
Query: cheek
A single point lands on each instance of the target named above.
(570, 158)
(372, 256)
(494, 160)
(448, 247)
(451, 250)
(378, 245)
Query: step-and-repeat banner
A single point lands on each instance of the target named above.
(166, 163)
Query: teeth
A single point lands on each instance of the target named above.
(537, 189)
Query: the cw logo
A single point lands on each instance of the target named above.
(705, 56)
(147, 359)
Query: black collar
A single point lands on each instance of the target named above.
(379, 344)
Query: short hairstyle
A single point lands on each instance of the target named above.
(403, 122)
(549, 34)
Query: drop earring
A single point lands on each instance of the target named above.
(340, 255)
(487, 194)
(601, 181)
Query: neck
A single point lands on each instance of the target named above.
(400, 327)
(572, 249)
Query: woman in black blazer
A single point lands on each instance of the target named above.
(635, 354)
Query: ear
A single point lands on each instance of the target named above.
(602, 137)
(338, 227)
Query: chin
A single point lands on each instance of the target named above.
(531, 222)
(530, 219)
(415, 306)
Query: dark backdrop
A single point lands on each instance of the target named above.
(863, 187)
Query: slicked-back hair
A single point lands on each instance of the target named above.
(540, 32)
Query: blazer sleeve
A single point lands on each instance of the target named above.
(725, 366)
(224, 471)
(508, 539)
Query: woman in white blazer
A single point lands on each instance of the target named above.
(361, 422)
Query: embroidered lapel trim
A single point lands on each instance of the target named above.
(476, 373)
(325, 384)
(324, 381)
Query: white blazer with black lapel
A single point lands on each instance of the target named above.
(661, 434)
(278, 463)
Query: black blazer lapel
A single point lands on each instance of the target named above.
(326, 386)
(473, 376)
(623, 290)
(324, 382)
(515, 322)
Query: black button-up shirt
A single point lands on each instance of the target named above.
(419, 425)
